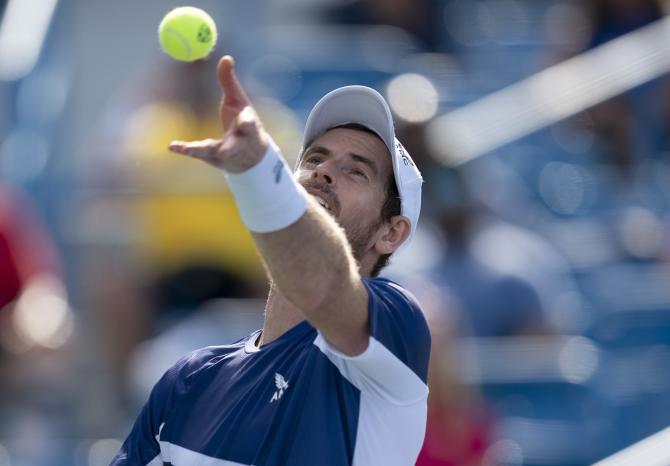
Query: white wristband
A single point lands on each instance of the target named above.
(267, 196)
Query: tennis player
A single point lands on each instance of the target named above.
(337, 375)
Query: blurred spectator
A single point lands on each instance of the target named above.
(26, 250)
(182, 243)
(492, 303)
(470, 298)
(36, 325)
(180, 213)
(459, 429)
(30, 272)
(462, 297)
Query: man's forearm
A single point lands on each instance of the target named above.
(311, 264)
(310, 260)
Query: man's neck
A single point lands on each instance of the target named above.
(280, 316)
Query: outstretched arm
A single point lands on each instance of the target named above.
(310, 260)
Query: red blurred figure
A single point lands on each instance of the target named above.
(459, 429)
(26, 250)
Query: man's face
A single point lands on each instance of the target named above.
(347, 170)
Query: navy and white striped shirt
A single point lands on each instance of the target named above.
(296, 400)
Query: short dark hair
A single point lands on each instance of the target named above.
(391, 206)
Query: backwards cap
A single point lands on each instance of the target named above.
(365, 106)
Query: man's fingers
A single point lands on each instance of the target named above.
(213, 151)
(233, 91)
(200, 149)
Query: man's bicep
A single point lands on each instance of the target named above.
(344, 321)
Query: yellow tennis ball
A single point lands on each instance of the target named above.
(187, 33)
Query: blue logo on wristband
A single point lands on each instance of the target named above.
(277, 169)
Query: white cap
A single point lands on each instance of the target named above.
(365, 106)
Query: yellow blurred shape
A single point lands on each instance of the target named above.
(151, 128)
(185, 211)
(180, 229)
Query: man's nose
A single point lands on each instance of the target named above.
(325, 170)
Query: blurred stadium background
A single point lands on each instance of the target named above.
(542, 128)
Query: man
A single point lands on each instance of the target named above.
(337, 375)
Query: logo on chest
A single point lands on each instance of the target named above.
(282, 386)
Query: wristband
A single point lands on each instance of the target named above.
(267, 196)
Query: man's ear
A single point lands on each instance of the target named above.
(394, 232)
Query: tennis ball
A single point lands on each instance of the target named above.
(187, 33)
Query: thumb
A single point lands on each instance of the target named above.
(233, 92)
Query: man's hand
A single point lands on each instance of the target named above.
(244, 141)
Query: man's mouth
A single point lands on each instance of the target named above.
(323, 203)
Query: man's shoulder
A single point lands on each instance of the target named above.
(396, 295)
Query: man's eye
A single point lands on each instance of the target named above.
(360, 173)
(313, 160)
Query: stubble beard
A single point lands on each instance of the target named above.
(359, 237)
